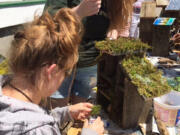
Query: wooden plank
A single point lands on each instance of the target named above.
(146, 30)
(148, 9)
(162, 3)
(158, 11)
(160, 41)
(135, 107)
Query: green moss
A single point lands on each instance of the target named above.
(142, 73)
(96, 110)
(146, 77)
(122, 46)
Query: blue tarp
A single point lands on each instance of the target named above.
(173, 5)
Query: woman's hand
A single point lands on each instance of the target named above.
(80, 111)
(97, 126)
(87, 8)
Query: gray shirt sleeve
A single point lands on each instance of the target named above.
(44, 130)
(49, 130)
(61, 115)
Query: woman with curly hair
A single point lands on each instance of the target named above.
(41, 56)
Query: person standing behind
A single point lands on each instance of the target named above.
(134, 28)
(101, 19)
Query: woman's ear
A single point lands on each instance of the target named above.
(51, 71)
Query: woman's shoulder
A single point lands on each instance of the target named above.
(27, 117)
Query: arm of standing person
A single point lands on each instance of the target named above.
(82, 9)
(87, 8)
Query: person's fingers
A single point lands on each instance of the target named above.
(86, 109)
(176, 36)
(87, 115)
(94, 0)
(95, 4)
(93, 7)
(98, 120)
(100, 123)
(95, 11)
(85, 123)
(83, 117)
(88, 105)
(80, 117)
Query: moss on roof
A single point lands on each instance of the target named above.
(146, 77)
(122, 46)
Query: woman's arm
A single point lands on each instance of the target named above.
(78, 111)
(87, 8)
(83, 9)
(61, 115)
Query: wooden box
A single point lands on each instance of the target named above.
(146, 30)
(162, 3)
(118, 96)
(148, 9)
(160, 41)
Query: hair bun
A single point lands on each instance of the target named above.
(19, 35)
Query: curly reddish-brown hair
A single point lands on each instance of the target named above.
(47, 40)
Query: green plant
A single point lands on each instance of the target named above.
(174, 83)
(122, 46)
(146, 77)
(96, 110)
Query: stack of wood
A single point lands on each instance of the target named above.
(157, 36)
